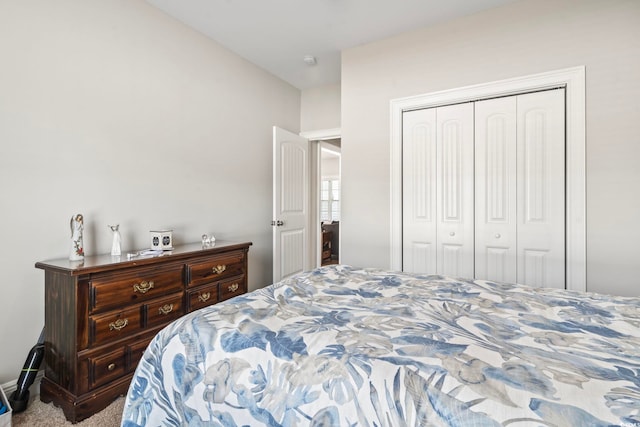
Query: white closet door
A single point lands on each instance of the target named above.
(541, 189)
(495, 160)
(419, 191)
(455, 188)
(484, 193)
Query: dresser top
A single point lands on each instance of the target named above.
(97, 263)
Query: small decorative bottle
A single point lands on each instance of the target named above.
(77, 246)
(115, 246)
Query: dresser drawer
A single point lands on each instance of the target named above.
(136, 351)
(163, 311)
(114, 325)
(232, 287)
(215, 268)
(202, 296)
(107, 367)
(109, 291)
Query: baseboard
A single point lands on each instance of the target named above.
(11, 386)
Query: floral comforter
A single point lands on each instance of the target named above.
(340, 346)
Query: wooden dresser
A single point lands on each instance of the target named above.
(100, 315)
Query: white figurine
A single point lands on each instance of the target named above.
(115, 246)
(77, 246)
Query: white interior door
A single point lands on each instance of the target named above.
(495, 161)
(438, 218)
(290, 204)
(541, 188)
(455, 192)
(570, 179)
(419, 191)
(492, 174)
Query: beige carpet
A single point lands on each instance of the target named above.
(46, 415)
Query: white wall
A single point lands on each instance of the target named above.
(114, 110)
(320, 108)
(522, 38)
(330, 167)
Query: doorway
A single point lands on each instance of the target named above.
(329, 197)
(331, 141)
(297, 228)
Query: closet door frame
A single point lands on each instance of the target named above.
(573, 80)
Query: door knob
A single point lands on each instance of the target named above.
(277, 223)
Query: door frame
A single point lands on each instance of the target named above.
(315, 137)
(573, 80)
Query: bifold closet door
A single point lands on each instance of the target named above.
(495, 189)
(455, 192)
(520, 183)
(419, 191)
(541, 189)
(438, 191)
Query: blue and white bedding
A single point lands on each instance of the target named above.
(340, 346)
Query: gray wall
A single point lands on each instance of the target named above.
(522, 38)
(320, 108)
(114, 110)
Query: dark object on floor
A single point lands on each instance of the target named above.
(19, 399)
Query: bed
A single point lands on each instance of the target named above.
(342, 346)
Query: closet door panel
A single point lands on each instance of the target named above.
(455, 175)
(541, 185)
(495, 194)
(419, 191)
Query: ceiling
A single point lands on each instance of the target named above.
(277, 34)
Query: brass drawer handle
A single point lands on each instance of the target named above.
(111, 367)
(165, 309)
(234, 287)
(219, 269)
(204, 297)
(143, 287)
(118, 324)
